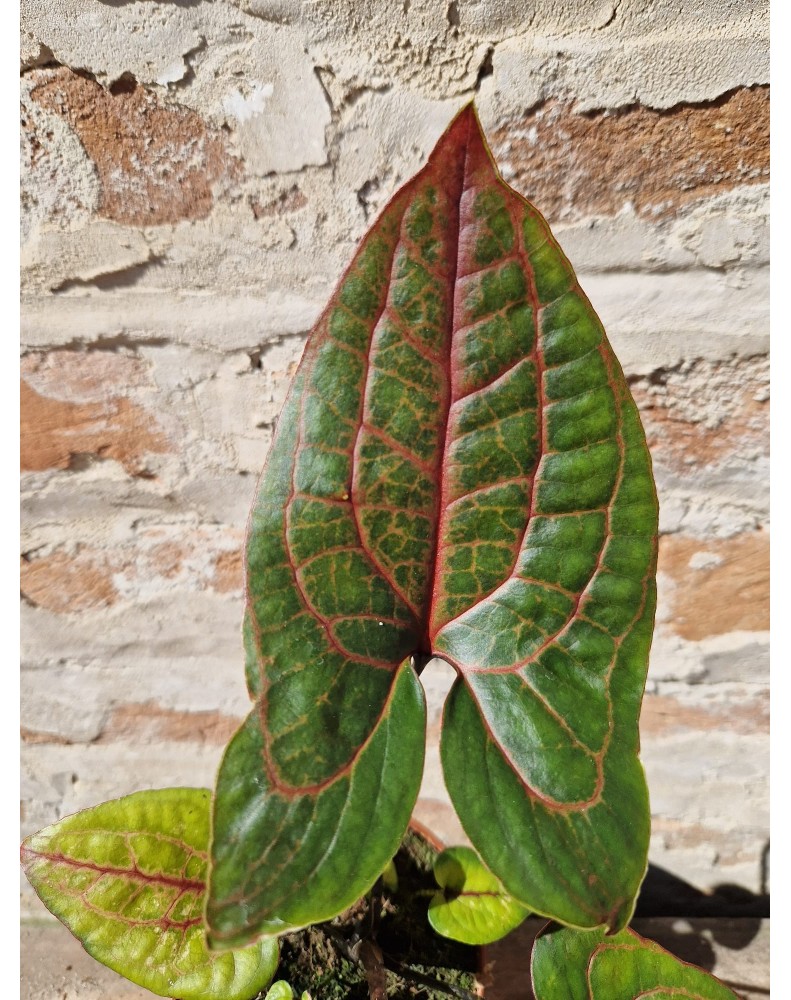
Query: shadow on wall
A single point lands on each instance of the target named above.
(729, 915)
(689, 923)
(666, 895)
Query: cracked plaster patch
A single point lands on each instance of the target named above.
(155, 164)
(139, 38)
(732, 227)
(571, 164)
(659, 62)
(59, 184)
(702, 413)
(74, 408)
(601, 52)
(264, 89)
(100, 250)
(440, 49)
(232, 69)
(725, 231)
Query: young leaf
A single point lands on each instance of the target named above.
(471, 905)
(575, 965)
(390, 876)
(279, 991)
(459, 470)
(128, 879)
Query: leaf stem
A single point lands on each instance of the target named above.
(420, 661)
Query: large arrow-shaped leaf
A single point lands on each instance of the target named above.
(459, 470)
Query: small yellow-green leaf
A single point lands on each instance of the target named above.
(471, 905)
(280, 991)
(588, 965)
(128, 878)
(390, 877)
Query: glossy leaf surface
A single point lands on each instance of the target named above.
(459, 470)
(128, 878)
(574, 965)
(316, 853)
(471, 906)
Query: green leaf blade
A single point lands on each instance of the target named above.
(574, 965)
(128, 878)
(252, 880)
(546, 559)
(459, 470)
(471, 906)
(550, 856)
(339, 571)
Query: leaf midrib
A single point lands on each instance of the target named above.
(135, 874)
(519, 254)
(442, 450)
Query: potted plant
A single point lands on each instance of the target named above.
(459, 471)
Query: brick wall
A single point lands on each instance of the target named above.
(195, 177)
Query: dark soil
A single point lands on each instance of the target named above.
(322, 959)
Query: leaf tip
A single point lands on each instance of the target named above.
(26, 854)
(619, 916)
(465, 122)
